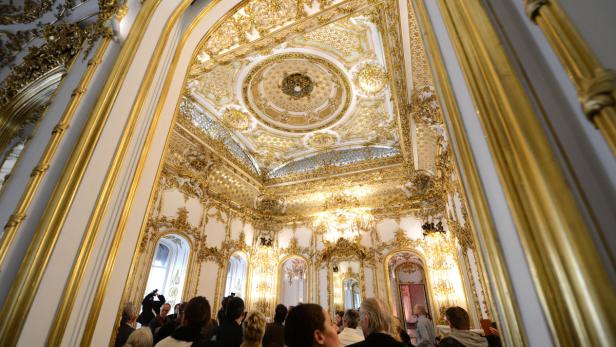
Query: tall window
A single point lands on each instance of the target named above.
(236, 275)
(169, 266)
(352, 294)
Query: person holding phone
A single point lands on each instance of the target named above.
(150, 308)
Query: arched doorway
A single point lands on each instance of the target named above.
(408, 284)
(168, 270)
(293, 281)
(237, 271)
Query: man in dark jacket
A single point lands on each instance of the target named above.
(229, 333)
(161, 319)
(172, 324)
(129, 315)
(374, 320)
(150, 308)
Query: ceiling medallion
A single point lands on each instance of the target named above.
(370, 78)
(297, 85)
(236, 119)
(322, 140)
(296, 92)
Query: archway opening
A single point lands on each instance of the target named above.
(408, 288)
(169, 267)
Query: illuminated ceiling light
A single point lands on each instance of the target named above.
(342, 219)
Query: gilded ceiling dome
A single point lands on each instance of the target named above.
(296, 92)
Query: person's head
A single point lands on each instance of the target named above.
(373, 317)
(141, 337)
(339, 316)
(129, 313)
(280, 314)
(458, 318)
(254, 327)
(176, 308)
(234, 309)
(164, 310)
(420, 310)
(310, 325)
(197, 312)
(351, 319)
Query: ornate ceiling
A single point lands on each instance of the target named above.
(320, 96)
(302, 99)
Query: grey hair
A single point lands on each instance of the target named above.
(129, 311)
(379, 320)
(141, 337)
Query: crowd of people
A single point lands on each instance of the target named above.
(304, 325)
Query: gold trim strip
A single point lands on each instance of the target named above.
(25, 286)
(128, 203)
(570, 279)
(82, 260)
(595, 85)
(36, 177)
(481, 222)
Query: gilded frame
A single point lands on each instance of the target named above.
(387, 273)
(189, 278)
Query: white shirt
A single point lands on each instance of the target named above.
(349, 336)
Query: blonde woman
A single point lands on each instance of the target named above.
(254, 329)
(141, 337)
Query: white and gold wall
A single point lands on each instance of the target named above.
(217, 232)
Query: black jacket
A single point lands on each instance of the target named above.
(147, 305)
(166, 330)
(124, 331)
(274, 335)
(229, 334)
(450, 342)
(378, 340)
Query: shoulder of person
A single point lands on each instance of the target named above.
(450, 342)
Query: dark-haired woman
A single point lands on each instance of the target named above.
(309, 325)
(274, 332)
(195, 315)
